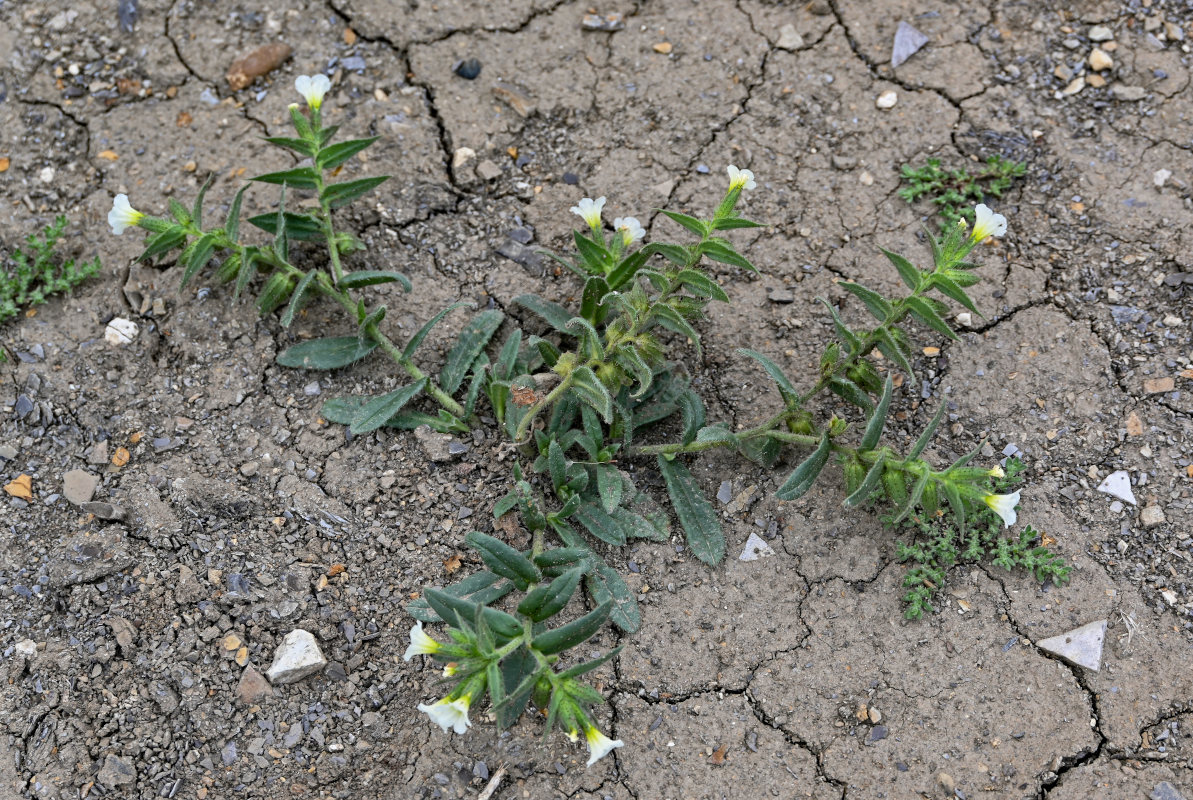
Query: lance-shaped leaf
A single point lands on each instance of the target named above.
(913, 498)
(590, 301)
(691, 409)
(300, 146)
(589, 666)
(588, 387)
(372, 277)
(297, 178)
(907, 271)
(695, 513)
(801, 479)
(593, 254)
(721, 250)
(544, 602)
(331, 157)
(868, 484)
(600, 524)
(275, 292)
(928, 433)
(673, 321)
(674, 253)
(605, 585)
(479, 588)
(197, 209)
(701, 285)
(553, 314)
(786, 388)
(417, 339)
(892, 349)
(591, 348)
(556, 465)
(948, 287)
(732, 223)
(232, 222)
(204, 247)
(381, 410)
(503, 559)
(461, 613)
(849, 390)
(922, 310)
(297, 298)
(298, 226)
(696, 226)
(843, 331)
(875, 303)
(330, 353)
(518, 670)
(248, 270)
(627, 269)
(631, 361)
(468, 346)
(609, 486)
(341, 194)
(878, 418)
(574, 633)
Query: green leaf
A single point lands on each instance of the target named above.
(913, 498)
(276, 291)
(731, 223)
(556, 465)
(417, 339)
(696, 226)
(372, 277)
(300, 146)
(588, 387)
(868, 485)
(520, 670)
(331, 157)
(600, 524)
(875, 303)
(589, 666)
(609, 486)
(947, 287)
(878, 418)
(503, 559)
(891, 348)
(591, 348)
(786, 388)
(801, 479)
(248, 269)
(605, 585)
(691, 408)
(370, 320)
(197, 209)
(479, 588)
(468, 346)
(720, 250)
(928, 433)
(593, 254)
(761, 450)
(179, 213)
(846, 335)
(627, 269)
(907, 271)
(701, 285)
(162, 243)
(341, 194)
(925, 313)
(232, 221)
(461, 613)
(297, 178)
(380, 410)
(696, 515)
(673, 321)
(849, 390)
(204, 248)
(674, 253)
(330, 353)
(574, 633)
(553, 314)
(296, 299)
(716, 433)
(631, 361)
(544, 602)
(507, 359)
(298, 226)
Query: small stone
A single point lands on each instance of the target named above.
(26, 648)
(964, 319)
(1159, 385)
(781, 295)
(1081, 647)
(312, 389)
(725, 492)
(488, 171)
(844, 162)
(468, 68)
(1152, 516)
(1099, 60)
(1165, 791)
(1100, 33)
(1075, 86)
(121, 331)
(231, 642)
(116, 771)
(789, 38)
(662, 47)
(515, 98)
(1116, 506)
(1118, 484)
(878, 733)
(8, 452)
(262, 61)
(99, 454)
(1173, 32)
(1134, 425)
(104, 510)
(46, 175)
(887, 99)
(436, 445)
(462, 156)
(755, 549)
(296, 657)
(865, 178)
(908, 41)
(875, 716)
(79, 485)
(607, 23)
(1096, 81)
(946, 782)
(1128, 94)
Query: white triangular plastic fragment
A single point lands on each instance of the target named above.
(1081, 647)
(755, 549)
(908, 41)
(1119, 485)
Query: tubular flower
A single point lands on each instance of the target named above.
(123, 215)
(740, 179)
(1004, 506)
(450, 670)
(599, 745)
(449, 713)
(312, 88)
(987, 224)
(590, 211)
(630, 229)
(996, 472)
(420, 643)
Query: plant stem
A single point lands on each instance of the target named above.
(537, 407)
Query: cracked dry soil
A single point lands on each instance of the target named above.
(790, 676)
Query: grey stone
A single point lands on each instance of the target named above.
(1100, 33)
(1118, 484)
(436, 445)
(789, 38)
(908, 41)
(85, 558)
(116, 771)
(99, 454)
(755, 549)
(1081, 647)
(1129, 94)
(488, 171)
(104, 510)
(725, 492)
(781, 295)
(519, 253)
(1152, 516)
(1165, 791)
(296, 657)
(79, 485)
(8, 452)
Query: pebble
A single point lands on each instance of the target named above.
(789, 38)
(357, 64)
(1118, 484)
(488, 171)
(467, 68)
(116, 771)
(1152, 516)
(515, 98)
(250, 468)
(725, 492)
(1081, 647)
(79, 485)
(781, 295)
(607, 23)
(1159, 385)
(252, 687)
(121, 331)
(104, 510)
(887, 99)
(99, 454)
(1165, 791)
(261, 61)
(462, 156)
(878, 733)
(946, 782)
(436, 445)
(312, 389)
(26, 648)
(908, 42)
(1129, 94)
(1099, 60)
(295, 658)
(1100, 33)
(755, 549)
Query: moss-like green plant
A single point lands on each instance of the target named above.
(38, 272)
(954, 191)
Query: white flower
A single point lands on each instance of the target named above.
(123, 215)
(599, 745)
(590, 211)
(1004, 506)
(630, 228)
(312, 88)
(420, 643)
(449, 713)
(996, 472)
(740, 178)
(987, 224)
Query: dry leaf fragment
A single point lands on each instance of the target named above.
(21, 486)
(121, 456)
(335, 570)
(663, 47)
(110, 155)
(184, 118)
(523, 396)
(718, 756)
(349, 36)
(452, 564)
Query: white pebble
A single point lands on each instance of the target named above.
(887, 99)
(121, 331)
(46, 175)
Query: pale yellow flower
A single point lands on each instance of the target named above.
(312, 88)
(740, 178)
(123, 215)
(1004, 506)
(987, 224)
(451, 714)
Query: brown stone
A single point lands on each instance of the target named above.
(1158, 385)
(262, 61)
(1134, 425)
(252, 687)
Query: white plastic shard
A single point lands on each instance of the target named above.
(908, 41)
(1118, 484)
(755, 549)
(1081, 647)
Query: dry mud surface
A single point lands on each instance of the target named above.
(753, 679)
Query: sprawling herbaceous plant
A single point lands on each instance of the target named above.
(580, 394)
